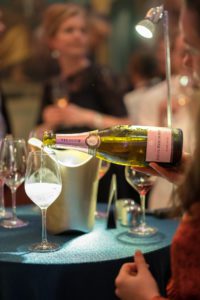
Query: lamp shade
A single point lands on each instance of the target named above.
(145, 28)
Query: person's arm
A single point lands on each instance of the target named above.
(92, 118)
(74, 115)
(135, 281)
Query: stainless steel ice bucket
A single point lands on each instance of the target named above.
(75, 208)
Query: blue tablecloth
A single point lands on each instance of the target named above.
(86, 265)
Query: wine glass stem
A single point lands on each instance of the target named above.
(13, 193)
(44, 229)
(2, 204)
(142, 202)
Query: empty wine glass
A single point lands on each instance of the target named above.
(43, 185)
(3, 212)
(142, 183)
(13, 155)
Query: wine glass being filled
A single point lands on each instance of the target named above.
(142, 183)
(43, 185)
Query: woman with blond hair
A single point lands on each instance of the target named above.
(85, 95)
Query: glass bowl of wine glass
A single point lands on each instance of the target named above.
(142, 183)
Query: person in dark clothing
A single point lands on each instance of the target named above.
(84, 96)
(5, 127)
(89, 92)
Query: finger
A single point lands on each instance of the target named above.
(157, 167)
(160, 170)
(186, 157)
(128, 268)
(171, 174)
(140, 261)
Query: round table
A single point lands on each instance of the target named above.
(85, 266)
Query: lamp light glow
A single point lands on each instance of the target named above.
(144, 30)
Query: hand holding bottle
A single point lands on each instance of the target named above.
(172, 174)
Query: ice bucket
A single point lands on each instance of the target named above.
(75, 208)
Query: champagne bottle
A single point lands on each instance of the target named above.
(124, 144)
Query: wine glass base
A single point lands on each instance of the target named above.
(143, 231)
(44, 247)
(13, 223)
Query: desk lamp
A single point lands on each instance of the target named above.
(146, 29)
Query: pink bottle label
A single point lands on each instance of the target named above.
(79, 140)
(71, 140)
(159, 144)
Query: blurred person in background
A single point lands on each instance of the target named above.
(185, 250)
(143, 74)
(99, 30)
(148, 106)
(15, 51)
(173, 7)
(99, 33)
(153, 91)
(183, 97)
(143, 69)
(84, 96)
(16, 48)
(90, 89)
(4, 119)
